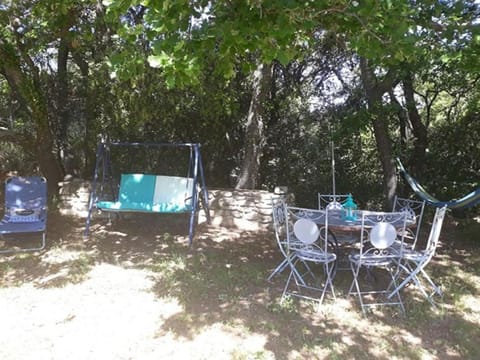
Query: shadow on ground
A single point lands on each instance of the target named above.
(221, 279)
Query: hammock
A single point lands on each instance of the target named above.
(467, 201)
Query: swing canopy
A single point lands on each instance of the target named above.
(464, 202)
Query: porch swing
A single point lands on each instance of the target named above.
(148, 192)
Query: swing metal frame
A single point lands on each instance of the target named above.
(103, 177)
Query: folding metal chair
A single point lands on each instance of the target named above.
(308, 245)
(279, 217)
(414, 209)
(279, 226)
(25, 210)
(377, 251)
(413, 262)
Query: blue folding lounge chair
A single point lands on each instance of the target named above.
(25, 209)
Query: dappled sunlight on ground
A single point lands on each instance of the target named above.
(102, 317)
(135, 290)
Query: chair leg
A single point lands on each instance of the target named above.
(38, 248)
(359, 293)
(413, 276)
(394, 282)
(286, 286)
(329, 279)
(420, 286)
(301, 284)
(405, 269)
(283, 265)
(355, 272)
(279, 269)
(436, 289)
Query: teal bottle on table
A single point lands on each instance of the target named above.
(349, 208)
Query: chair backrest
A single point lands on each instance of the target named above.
(306, 231)
(379, 231)
(307, 228)
(279, 217)
(414, 209)
(173, 189)
(136, 190)
(434, 235)
(331, 202)
(26, 198)
(284, 234)
(156, 193)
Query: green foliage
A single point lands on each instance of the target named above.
(183, 33)
(455, 144)
(179, 71)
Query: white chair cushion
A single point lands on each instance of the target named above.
(382, 235)
(306, 231)
(173, 190)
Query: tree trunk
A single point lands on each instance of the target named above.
(28, 91)
(48, 161)
(89, 116)
(254, 134)
(417, 162)
(62, 88)
(374, 90)
(402, 121)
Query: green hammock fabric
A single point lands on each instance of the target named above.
(466, 201)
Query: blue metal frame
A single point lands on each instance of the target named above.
(103, 162)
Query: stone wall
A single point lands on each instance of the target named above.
(73, 197)
(248, 210)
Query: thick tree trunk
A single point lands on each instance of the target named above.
(402, 120)
(417, 162)
(48, 161)
(27, 90)
(374, 90)
(62, 103)
(89, 117)
(254, 134)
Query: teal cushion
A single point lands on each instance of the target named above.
(136, 191)
(171, 207)
(118, 206)
(160, 208)
(137, 194)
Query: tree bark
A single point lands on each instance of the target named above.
(374, 90)
(29, 94)
(254, 134)
(62, 101)
(402, 121)
(417, 162)
(89, 116)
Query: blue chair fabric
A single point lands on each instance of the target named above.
(25, 208)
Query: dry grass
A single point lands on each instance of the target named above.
(134, 291)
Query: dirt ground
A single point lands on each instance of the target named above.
(135, 290)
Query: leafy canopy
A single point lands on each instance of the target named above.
(182, 33)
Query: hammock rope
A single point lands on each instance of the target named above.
(466, 201)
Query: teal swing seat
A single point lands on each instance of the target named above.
(148, 193)
(151, 193)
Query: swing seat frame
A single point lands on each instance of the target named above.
(150, 193)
